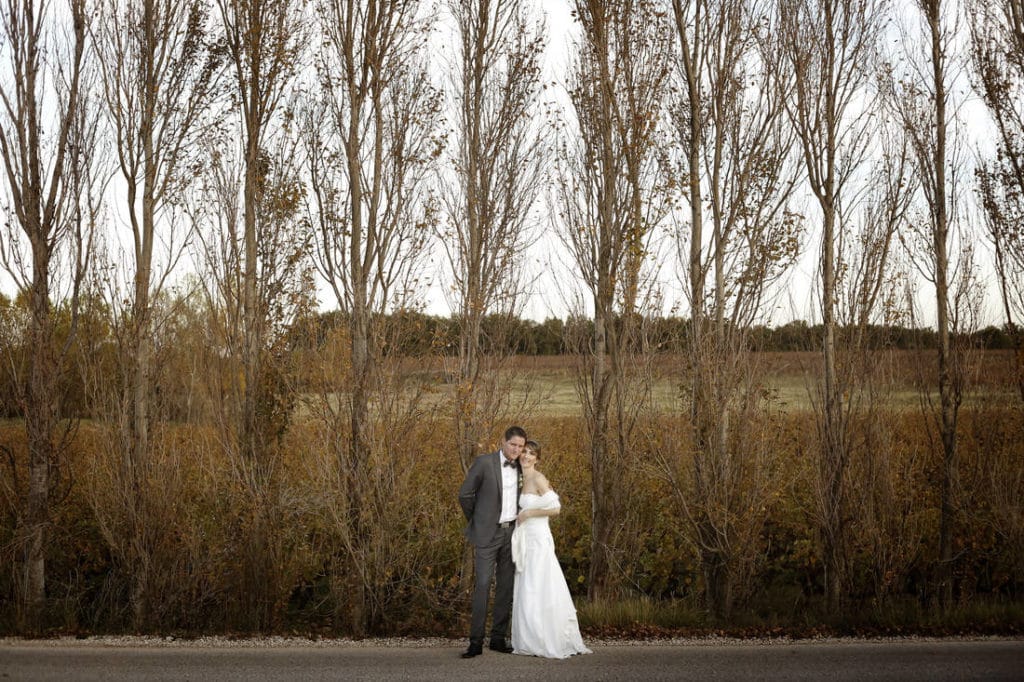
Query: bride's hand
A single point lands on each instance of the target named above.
(523, 515)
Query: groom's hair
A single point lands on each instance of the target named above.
(513, 431)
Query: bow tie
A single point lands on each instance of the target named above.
(508, 463)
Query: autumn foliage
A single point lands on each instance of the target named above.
(206, 575)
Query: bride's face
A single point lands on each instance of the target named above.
(528, 459)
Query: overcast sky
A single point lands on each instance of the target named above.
(551, 273)
(796, 297)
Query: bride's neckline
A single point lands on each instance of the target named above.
(539, 494)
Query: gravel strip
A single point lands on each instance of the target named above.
(439, 642)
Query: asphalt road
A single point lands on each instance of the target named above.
(827, 660)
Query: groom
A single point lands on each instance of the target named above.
(490, 499)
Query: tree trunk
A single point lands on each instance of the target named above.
(248, 437)
(598, 579)
(833, 441)
(138, 464)
(940, 241)
(41, 402)
(466, 423)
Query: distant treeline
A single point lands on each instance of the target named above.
(91, 360)
(422, 334)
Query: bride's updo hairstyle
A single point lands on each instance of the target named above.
(534, 447)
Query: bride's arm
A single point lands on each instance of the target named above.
(531, 513)
(543, 487)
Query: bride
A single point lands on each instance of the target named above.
(543, 616)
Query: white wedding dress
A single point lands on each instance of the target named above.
(543, 615)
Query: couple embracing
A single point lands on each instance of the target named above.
(507, 502)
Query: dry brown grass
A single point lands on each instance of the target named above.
(201, 517)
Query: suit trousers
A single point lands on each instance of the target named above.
(493, 560)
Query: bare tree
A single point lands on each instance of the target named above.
(997, 48)
(283, 293)
(869, 281)
(157, 80)
(493, 183)
(257, 280)
(611, 193)
(823, 54)
(371, 140)
(923, 100)
(739, 237)
(263, 40)
(47, 142)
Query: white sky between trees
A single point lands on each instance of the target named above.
(549, 271)
(797, 296)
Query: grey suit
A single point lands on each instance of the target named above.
(480, 497)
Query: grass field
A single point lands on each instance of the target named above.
(547, 384)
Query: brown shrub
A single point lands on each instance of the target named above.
(222, 559)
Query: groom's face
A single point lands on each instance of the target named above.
(513, 447)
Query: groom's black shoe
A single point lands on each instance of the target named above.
(475, 649)
(500, 646)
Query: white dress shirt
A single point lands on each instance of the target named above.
(509, 486)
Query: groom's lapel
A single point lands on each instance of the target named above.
(496, 465)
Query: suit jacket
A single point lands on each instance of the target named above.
(480, 497)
